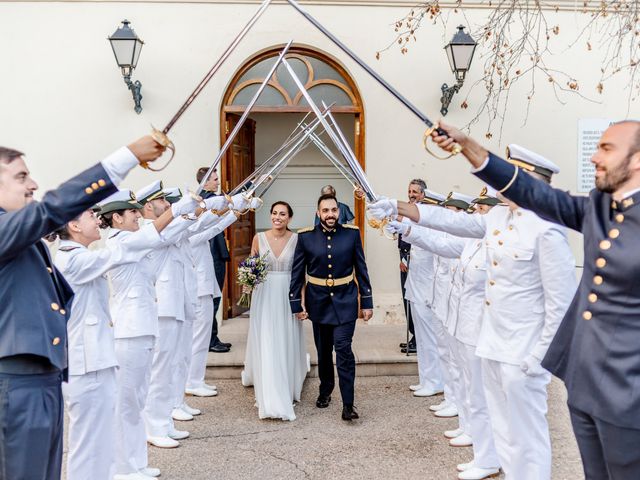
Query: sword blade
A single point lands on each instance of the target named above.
(362, 63)
(244, 116)
(216, 66)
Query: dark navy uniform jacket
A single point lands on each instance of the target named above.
(335, 253)
(35, 299)
(596, 350)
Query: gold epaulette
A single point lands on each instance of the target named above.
(306, 229)
(348, 225)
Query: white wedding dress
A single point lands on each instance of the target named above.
(276, 361)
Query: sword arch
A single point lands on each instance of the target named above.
(325, 78)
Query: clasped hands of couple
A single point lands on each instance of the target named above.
(366, 315)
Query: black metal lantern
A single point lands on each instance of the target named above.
(460, 52)
(126, 48)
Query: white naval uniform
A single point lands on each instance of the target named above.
(91, 389)
(207, 290)
(447, 250)
(135, 317)
(530, 283)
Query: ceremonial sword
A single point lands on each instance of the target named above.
(161, 136)
(431, 126)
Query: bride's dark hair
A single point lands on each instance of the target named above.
(281, 202)
(285, 204)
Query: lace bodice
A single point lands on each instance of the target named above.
(284, 262)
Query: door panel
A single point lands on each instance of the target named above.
(238, 164)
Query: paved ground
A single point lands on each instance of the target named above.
(396, 438)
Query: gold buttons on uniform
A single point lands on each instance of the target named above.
(605, 244)
(601, 262)
(329, 256)
(95, 186)
(329, 237)
(111, 324)
(492, 283)
(102, 183)
(55, 307)
(587, 315)
(328, 246)
(49, 269)
(88, 190)
(619, 218)
(63, 311)
(598, 280)
(500, 242)
(614, 233)
(487, 302)
(291, 295)
(593, 298)
(496, 232)
(331, 294)
(495, 264)
(330, 276)
(510, 227)
(330, 266)
(56, 341)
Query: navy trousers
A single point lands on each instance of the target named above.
(31, 419)
(608, 452)
(338, 337)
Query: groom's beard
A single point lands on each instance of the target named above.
(324, 223)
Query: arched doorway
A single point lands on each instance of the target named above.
(279, 107)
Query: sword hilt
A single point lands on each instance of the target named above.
(162, 139)
(455, 148)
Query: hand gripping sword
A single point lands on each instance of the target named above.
(431, 127)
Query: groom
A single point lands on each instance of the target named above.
(331, 255)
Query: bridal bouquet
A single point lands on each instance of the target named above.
(251, 273)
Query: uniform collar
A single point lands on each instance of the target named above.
(630, 199)
(70, 243)
(327, 231)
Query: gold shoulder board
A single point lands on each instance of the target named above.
(306, 229)
(348, 225)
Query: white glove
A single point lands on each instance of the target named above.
(395, 226)
(184, 206)
(256, 203)
(239, 203)
(383, 208)
(531, 366)
(219, 202)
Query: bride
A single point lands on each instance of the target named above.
(276, 361)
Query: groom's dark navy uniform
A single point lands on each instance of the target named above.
(330, 261)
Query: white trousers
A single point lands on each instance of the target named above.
(135, 356)
(160, 399)
(91, 405)
(201, 336)
(183, 362)
(484, 450)
(460, 395)
(442, 343)
(426, 344)
(518, 407)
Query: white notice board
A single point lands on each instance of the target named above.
(589, 132)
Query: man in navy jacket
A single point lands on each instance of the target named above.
(35, 301)
(596, 350)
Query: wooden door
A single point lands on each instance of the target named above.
(239, 163)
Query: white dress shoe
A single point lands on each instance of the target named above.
(413, 388)
(461, 467)
(150, 472)
(163, 442)
(190, 410)
(477, 473)
(426, 392)
(210, 387)
(181, 415)
(439, 406)
(447, 412)
(201, 392)
(453, 433)
(178, 434)
(130, 476)
(463, 440)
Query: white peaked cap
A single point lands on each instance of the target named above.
(150, 192)
(518, 153)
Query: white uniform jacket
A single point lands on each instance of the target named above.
(205, 272)
(90, 327)
(530, 278)
(419, 285)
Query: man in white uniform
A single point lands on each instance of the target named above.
(530, 283)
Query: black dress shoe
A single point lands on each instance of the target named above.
(403, 345)
(219, 348)
(228, 345)
(412, 343)
(411, 349)
(349, 413)
(322, 401)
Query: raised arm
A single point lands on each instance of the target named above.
(447, 246)
(456, 223)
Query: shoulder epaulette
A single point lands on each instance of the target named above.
(306, 229)
(353, 227)
(68, 249)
